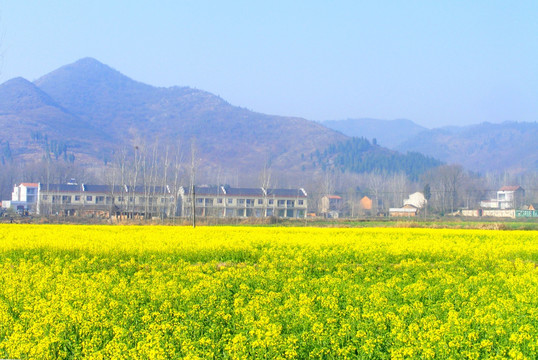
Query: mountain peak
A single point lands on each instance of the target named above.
(19, 94)
(87, 71)
(89, 61)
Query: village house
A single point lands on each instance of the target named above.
(23, 198)
(508, 197)
(331, 206)
(366, 203)
(416, 200)
(412, 205)
(226, 201)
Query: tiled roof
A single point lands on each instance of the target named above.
(30, 184)
(334, 197)
(106, 189)
(61, 188)
(204, 190)
(141, 189)
(255, 192)
(246, 192)
(510, 188)
(287, 192)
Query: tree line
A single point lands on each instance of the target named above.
(154, 165)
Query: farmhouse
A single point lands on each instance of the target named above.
(508, 197)
(23, 198)
(366, 203)
(412, 205)
(406, 210)
(331, 206)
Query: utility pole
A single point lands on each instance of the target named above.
(193, 206)
(193, 179)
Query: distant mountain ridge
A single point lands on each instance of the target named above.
(388, 133)
(509, 146)
(85, 111)
(88, 110)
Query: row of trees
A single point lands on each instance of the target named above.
(447, 187)
(450, 187)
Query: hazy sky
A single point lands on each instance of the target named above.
(434, 62)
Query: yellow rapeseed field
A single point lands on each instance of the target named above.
(127, 292)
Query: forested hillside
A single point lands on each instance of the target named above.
(359, 155)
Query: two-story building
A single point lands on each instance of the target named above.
(508, 197)
(105, 200)
(23, 198)
(226, 201)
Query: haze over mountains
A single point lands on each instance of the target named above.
(86, 110)
(96, 109)
(509, 146)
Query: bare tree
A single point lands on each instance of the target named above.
(446, 186)
(193, 181)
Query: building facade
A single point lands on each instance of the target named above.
(508, 197)
(331, 206)
(105, 200)
(225, 201)
(23, 198)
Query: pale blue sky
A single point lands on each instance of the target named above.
(434, 62)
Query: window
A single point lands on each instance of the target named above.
(66, 199)
(200, 201)
(77, 197)
(89, 198)
(241, 201)
(219, 201)
(271, 201)
(260, 201)
(119, 198)
(290, 203)
(281, 203)
(269, 212)
(99, 199)
(230, 201)
(250, 202)
(30, 191)
(163, 200)
(209, 201)
(131, 199)
(300, 202)
(45, 197)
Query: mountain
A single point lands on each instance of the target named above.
(96, 109)
(358, 155)
(485, 147)
(31, 121)
(388, 133)
(86, 112)
(509, 146)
